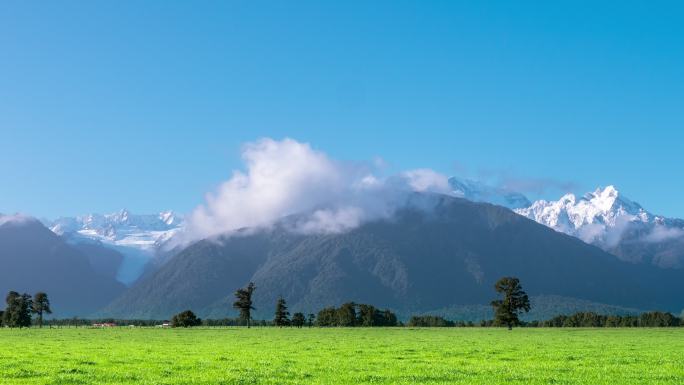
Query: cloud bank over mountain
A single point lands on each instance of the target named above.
(15, 219)
(287, 177)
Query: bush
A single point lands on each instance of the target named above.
(185, 319)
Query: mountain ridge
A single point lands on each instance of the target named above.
(608, 219)
(418, 261)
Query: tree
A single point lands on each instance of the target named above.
(327, 317)
(18, 311)
(281, 314)
(346, 315)
(244, 302)
(370, 316)
(41, 305)
(7, 314)
(389, 318)
(367, 315)
(298, 320)
(185, 319)
(311, 320)
(515, 301)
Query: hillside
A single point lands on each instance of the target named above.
(418, 261)
(35, 259)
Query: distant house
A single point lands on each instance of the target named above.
(165, 324)
(104, 325)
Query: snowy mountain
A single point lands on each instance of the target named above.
(605, 218)
(608, 219)
(480, 192)
(418, 261)
(137, 237)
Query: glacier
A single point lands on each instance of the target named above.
(139, 238)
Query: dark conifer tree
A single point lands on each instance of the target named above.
(298, 320)
(10, 300)
(41, 305)
(281, 314)
(514, 301)
(244, 302)
(25, 306)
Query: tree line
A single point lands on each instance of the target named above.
(577, 320)
(507, 310)
(21, 307)
(593, 320)
(350, 314)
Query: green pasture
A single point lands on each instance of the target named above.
(341, 356)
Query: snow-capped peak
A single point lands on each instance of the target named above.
(121, 216)
(609, 199)
(137, 237)
(116, 226)
(169, 217)
(608, 219)
(589, 217)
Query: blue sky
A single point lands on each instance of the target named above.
(105, 105)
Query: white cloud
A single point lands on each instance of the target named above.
(662, 233)
(16, 219)
(286, 177)
(614, 234)
(591, 232)
(427, 180)
(331, 220)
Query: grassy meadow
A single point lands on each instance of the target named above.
(341, 356)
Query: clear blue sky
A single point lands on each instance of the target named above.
(145, 105)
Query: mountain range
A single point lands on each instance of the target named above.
(605, 218)
(418, 261)
(613, 222)
(598, 251)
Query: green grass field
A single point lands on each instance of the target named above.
(342, 356)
